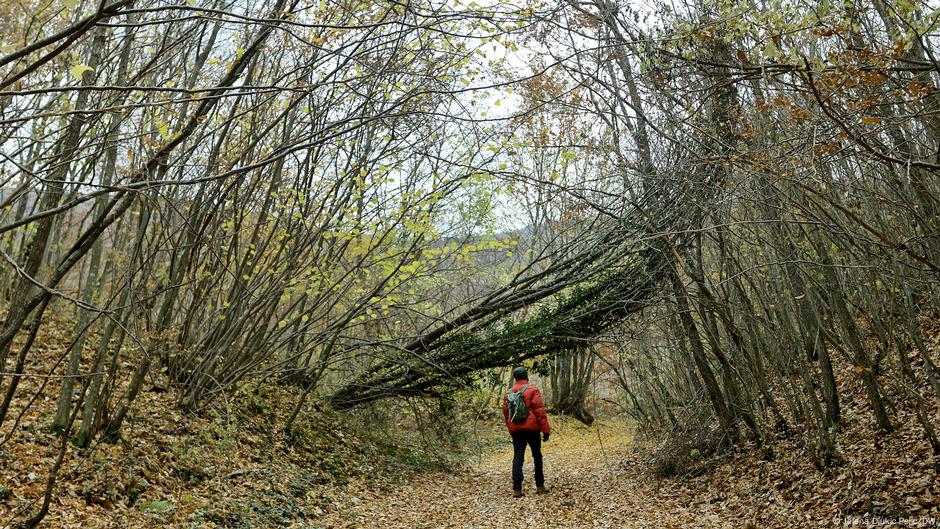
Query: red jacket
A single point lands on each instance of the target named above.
(537, 421)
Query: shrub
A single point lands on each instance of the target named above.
(686, 451)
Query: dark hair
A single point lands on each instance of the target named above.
(520, 373)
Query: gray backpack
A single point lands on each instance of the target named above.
(515, 404)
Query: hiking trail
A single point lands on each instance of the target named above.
(583, 470)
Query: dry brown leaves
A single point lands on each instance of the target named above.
(583, 471)
(228, 467)
(226, 471)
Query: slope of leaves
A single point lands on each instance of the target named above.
(232, 466)
(888, 477)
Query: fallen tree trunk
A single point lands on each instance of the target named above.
(575, 319)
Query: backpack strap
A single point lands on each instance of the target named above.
(521, 390)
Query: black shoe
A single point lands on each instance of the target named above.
(541, 490)
(517, 493)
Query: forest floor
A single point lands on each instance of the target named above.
(596, 481)
(185, 472)
(233, 466)
(583, 468)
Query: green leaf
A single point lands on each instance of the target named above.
(770, 50)
(156, 506)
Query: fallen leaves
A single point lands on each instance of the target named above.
(597, 482)
(235, 469)
(582, 469)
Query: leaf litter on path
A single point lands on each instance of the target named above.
(582, 471)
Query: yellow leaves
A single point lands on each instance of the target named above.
(771, 51)
(871, 120)
(410, 268)
(480, 176)
(78, 71)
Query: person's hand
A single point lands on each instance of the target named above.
(544, 437)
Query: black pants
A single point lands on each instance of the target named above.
(519, 442)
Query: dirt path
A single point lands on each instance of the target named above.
(588, 489)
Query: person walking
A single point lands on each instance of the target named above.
(524, 413)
